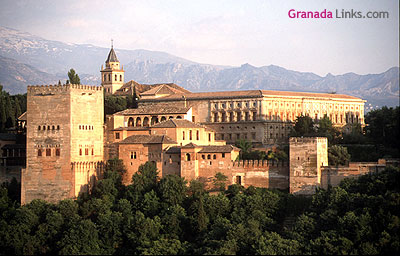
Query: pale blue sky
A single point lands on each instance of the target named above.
(223, 32)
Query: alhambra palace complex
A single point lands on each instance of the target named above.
(183, 133)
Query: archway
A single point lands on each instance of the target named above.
(146, 121)
(130, 122)
(154, 120)
(138, 122)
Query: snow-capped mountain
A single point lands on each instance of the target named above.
(28, 59)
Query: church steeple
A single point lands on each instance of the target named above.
(112, 76)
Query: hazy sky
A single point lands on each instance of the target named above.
(224, 32)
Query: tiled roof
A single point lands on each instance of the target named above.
(251, 94)
(22, 117)
(161, 89)
(112, 57)
(127, 88)
(134, 128)
(177, 123)
(218, 149)
(148, 139)
(150, 110)
(190, 145)
(8, 137)
(14, 146)
(173, 150)
(308, 94)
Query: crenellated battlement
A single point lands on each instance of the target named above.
(259, 163)
(50, 89)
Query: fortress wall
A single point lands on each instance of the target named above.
(334, 175)
(267, 174)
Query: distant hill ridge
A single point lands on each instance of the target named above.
(28, 59)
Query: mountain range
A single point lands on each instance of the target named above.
(26, 59)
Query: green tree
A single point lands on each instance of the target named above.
(81, 238)
(245, 147)
(338, 155)
(219, 181)
(73, 77)
(172, 189)
(383, 129)
(304, 126)
(325, 129)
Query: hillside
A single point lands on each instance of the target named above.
(46, 61)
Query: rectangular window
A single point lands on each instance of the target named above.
(92, 152)
(86, 151)
(190, 135)
(80, 151)
(239, 180)
(117, 135)
(223, 155)
(57, 152)
(209, 137)
(48, 151)
(39, 153)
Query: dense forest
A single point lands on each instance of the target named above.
(11, 107)
(168, 216)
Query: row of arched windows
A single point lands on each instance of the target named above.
(48, 127)
(86, 151)
(138, 122)
(191, 135)
(48, 152)
(109, 77)
(85, 127)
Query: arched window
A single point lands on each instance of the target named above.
(120, 78)
(197, 135)
(138, 122)
(163, 118)
(183, 135)
(115, 77)
(109, 77)
(48, 151)
(190, 135)
(171, 117)
(39, 153)
(53, 127)
(57, 152)
(58, 127)
(187, 157)
(146, 121)
(178, 117)
(215, 117)
(38, 128)
(208, 156)
(130, 122)
(239, 116)
(154, 120)
(214, 157)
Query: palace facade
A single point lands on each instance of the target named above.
(184, 133)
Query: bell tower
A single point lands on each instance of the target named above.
(112, 76)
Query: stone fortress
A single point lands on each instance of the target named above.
(183, 133)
